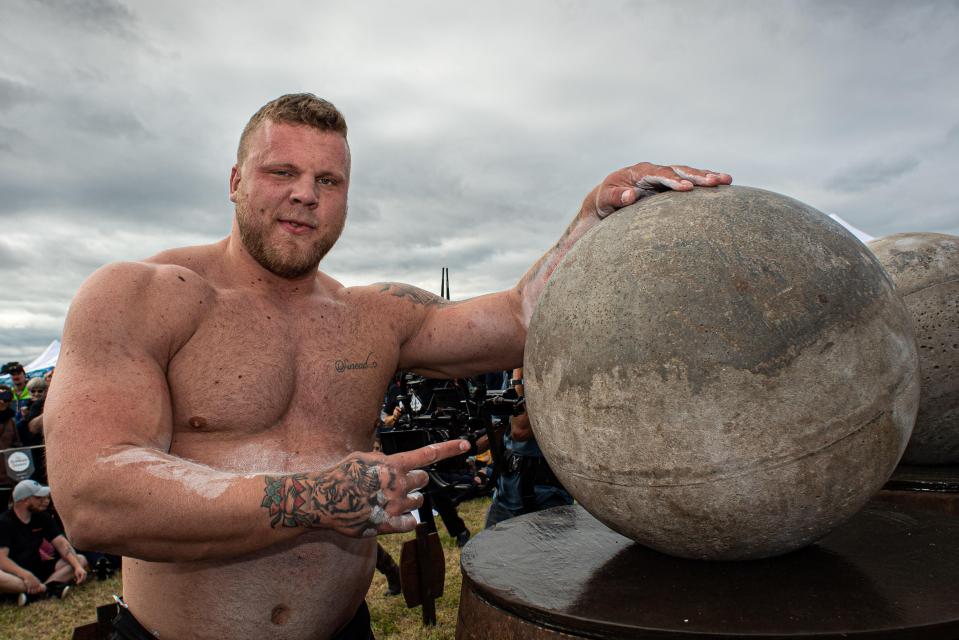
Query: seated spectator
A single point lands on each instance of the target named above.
(23, 529)
(8, 429)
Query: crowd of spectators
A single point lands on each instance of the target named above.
(21, 407)
(37, 560)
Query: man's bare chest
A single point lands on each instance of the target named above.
(254, 371)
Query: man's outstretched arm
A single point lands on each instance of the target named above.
(120, 490)
(488, 333)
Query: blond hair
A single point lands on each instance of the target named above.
(294, 108)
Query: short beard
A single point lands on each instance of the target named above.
(290, 266)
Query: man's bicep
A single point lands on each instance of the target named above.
(111, 386)
(468, 337)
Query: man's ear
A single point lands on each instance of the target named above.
(234, 182)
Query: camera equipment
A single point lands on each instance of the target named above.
(436, 411)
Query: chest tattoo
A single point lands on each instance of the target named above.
(345, 364)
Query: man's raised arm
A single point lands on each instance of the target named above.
(488, 333)
(120, 490)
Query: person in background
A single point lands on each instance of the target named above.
(30, 429)
(526, 483)
(21, 395)
(22, 532)
(8, 429)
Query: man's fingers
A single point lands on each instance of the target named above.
(658, 183)
(411, 501)
(416, 479)
(428, 455)
(398, 524)
(702, 177)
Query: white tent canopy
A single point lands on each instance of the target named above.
(46, 359)
(40, 364)
(862, 236)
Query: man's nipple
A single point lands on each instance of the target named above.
(197, 422)
(280, 614)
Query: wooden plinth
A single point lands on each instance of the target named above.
(889, 572)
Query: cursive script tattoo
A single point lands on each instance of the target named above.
(346, 365)
(348, 496)
(413, 294)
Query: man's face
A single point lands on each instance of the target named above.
(19, 379)
(290, 194)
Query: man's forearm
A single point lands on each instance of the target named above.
(533, 282)
(157, 507)
(619, 189)
(66, 551)
(9, 566)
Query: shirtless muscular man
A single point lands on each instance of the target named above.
(246, 509)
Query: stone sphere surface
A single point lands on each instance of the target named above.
(721, 374)
(925, 269)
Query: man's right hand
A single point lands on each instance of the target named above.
(363, 495)
(34, 586)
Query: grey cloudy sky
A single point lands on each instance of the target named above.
(476, 128)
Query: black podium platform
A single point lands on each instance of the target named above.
(924, 487)
(889, 572)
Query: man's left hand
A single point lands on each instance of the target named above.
(630, 185)
(79, 574)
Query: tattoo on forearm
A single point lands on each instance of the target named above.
(343, 497)
(413, 294)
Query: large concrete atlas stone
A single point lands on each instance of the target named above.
(721, 374)
(925, 269)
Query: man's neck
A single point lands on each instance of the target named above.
(243, 269)
(19, 387)
(22, 512)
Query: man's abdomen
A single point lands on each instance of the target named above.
(306, 589)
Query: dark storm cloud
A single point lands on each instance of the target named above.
(102, 15)
(13, 93)
(871, 173)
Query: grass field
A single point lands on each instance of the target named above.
(55, 619)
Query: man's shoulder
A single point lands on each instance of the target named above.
(195, 258)
(130, 282)
(152, 304)
(8, 521)
(397, 294)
